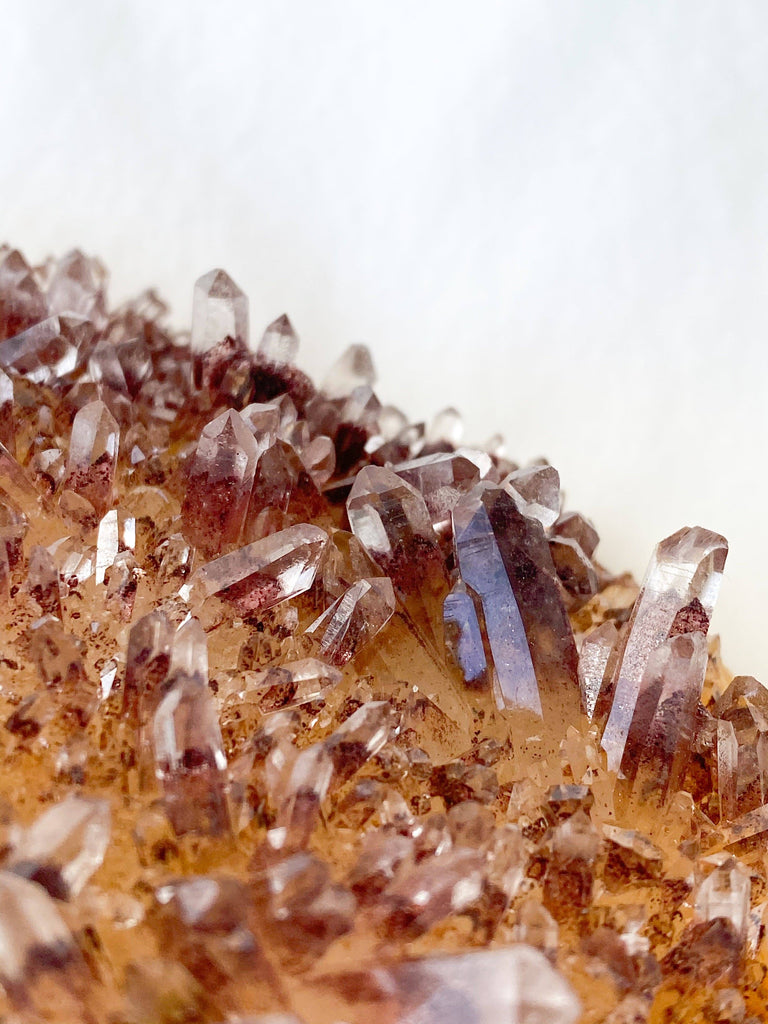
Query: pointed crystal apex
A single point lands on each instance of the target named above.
(219, 311)
(291, 684)
(353, 368)
(92, 461)
(219, 484)
(34, 934)
(354, 619)
(78, 285)
(65, 845)
(536, 491)
(677, 596)
(261, 575)
(279, 345)
(190, 762)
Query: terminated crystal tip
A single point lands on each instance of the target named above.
(219, 311)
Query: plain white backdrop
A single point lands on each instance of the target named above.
(551, 214)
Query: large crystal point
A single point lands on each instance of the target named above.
(659, 738)
(92, 461)
(64, 846)
(503, 556)
(219, 311)
(219, 485)
(442, 478)
(47, 350)
(190, 762)
(353, 368)
(513, 985)
(261, 575)
(354, 619)
(42, 582)
(33, 936)
(280, 343)
(678, 593)
(463, 637)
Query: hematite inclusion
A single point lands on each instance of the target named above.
(313, 715)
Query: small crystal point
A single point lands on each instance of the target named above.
(219, 311)
(354, 619)
(64, 846)
(78, 285)
(280, 343)
(147, 663)
(92, 461)
(353, 368)
(724, 891)
(219, 484)
(536, 489)
(593, 660)
(190, 762)
(290, 684)
(463, 637)
(685, 568)
(261, 575)
(33, 935)
(47, 350)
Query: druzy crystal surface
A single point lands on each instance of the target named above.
(311, 715)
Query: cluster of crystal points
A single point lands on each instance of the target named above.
(313, 715)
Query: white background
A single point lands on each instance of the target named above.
(553, 215)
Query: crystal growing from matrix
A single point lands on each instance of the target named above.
(678, 595)
(219, 311)
(311, 715)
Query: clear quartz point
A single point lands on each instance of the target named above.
(48, 350)
(32, 933)
(463, 637)
(219, 483)
(536, 490)
(289, 685)
(659, 738)
(279, 345)
(265, 573)
(354, 619)
(447, 426)
(724, 891)
(190, 762)
(681, 584)
(390, 519)
(353, 368)
(442, 478)
(503, 556)
(219, 311)
(593, 661)
(79, 285)
(65, 845)
(92, 460)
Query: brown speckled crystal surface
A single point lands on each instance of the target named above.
(312, 714)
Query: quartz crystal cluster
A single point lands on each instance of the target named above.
(312, 714)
